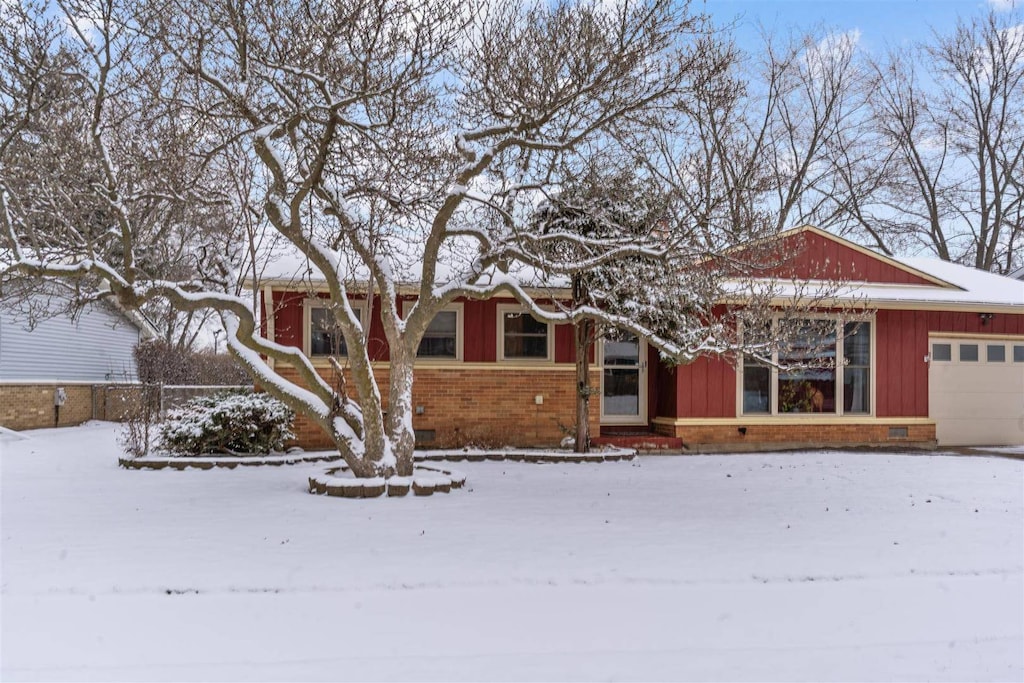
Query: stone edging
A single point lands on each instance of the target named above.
(425, 481)
(228, 462)
(509, 455)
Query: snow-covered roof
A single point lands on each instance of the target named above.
(964, 288)
(952, 285)
(285, 266)
(975, 286)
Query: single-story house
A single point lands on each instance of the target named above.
(57, 358)
(939, 358)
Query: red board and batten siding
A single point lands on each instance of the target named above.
(480, 325)
(704, 388)
(288, 318)
(902, 340)
(707, 387)
(809, 256)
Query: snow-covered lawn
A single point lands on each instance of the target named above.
(810, 566)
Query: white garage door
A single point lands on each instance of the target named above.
(976, 391)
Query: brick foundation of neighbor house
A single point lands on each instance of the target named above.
(718, 435)
(479, 404)
(29, 405)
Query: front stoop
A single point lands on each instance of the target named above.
(644, 443)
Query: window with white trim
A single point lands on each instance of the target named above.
(323, 336)
(856, 368)
(827, 369)
(757, 376)
(443, 337)
(808, 385)
(522, 337)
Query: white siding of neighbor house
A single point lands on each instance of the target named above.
(95, 347)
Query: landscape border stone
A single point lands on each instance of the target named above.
(426, 481)
(454, 455)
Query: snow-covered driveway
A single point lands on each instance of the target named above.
(811, 566)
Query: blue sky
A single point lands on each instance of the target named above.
(880, 22)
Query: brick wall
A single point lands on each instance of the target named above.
(787, 434)
(30, 406)
(484, 406)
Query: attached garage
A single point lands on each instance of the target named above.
(976, 390)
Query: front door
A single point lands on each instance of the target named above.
(624, 381)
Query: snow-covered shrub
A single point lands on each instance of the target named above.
(227, 423)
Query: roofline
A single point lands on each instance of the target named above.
(136, 318)
(870, 253)
(858, 301)
(867, 303)
(403, 289)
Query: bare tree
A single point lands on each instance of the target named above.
(97, 164)
(949, 111)
(773, 136)
(384, 142)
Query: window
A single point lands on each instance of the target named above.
(523, 337)
(757, 386)
(857, 368)
(996, 353)
(810, 388)
(441, 338)
(968, 353)
(942, 352)
(813, 382)
(325, 338)
(757, 374)
(1018, 353)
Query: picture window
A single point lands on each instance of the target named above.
(804, 376)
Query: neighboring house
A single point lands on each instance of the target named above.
(61, 354)
(940, 358)
(1018, 274)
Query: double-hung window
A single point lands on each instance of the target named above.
(324, 335)
(821, 365)
(442, 339)
(523, 337)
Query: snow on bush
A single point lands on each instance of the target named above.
(227, 423)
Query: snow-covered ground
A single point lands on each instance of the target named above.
(811, 566)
